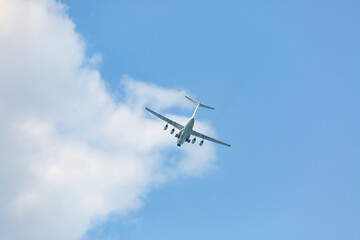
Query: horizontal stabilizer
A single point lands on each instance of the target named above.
(197, 103)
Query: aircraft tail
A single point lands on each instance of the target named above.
(198, 105)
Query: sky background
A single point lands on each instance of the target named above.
(284, 79)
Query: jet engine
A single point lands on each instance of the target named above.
(193, 141)
(172, 131)
(166, 127)
(201, 143)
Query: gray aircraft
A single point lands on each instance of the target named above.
(187, 131)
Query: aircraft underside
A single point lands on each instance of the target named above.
(186, 131)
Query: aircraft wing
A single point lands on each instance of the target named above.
(200, 135)
(171, 122)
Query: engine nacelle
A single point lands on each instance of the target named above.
(201, 143)
(193, 141)
(172, 131)
(166, 127)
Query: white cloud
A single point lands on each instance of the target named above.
(69, 153)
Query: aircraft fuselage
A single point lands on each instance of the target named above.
(185, 133)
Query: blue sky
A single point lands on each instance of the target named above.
(284, 79)
(282, 76)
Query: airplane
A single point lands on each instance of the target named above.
(187, 131)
